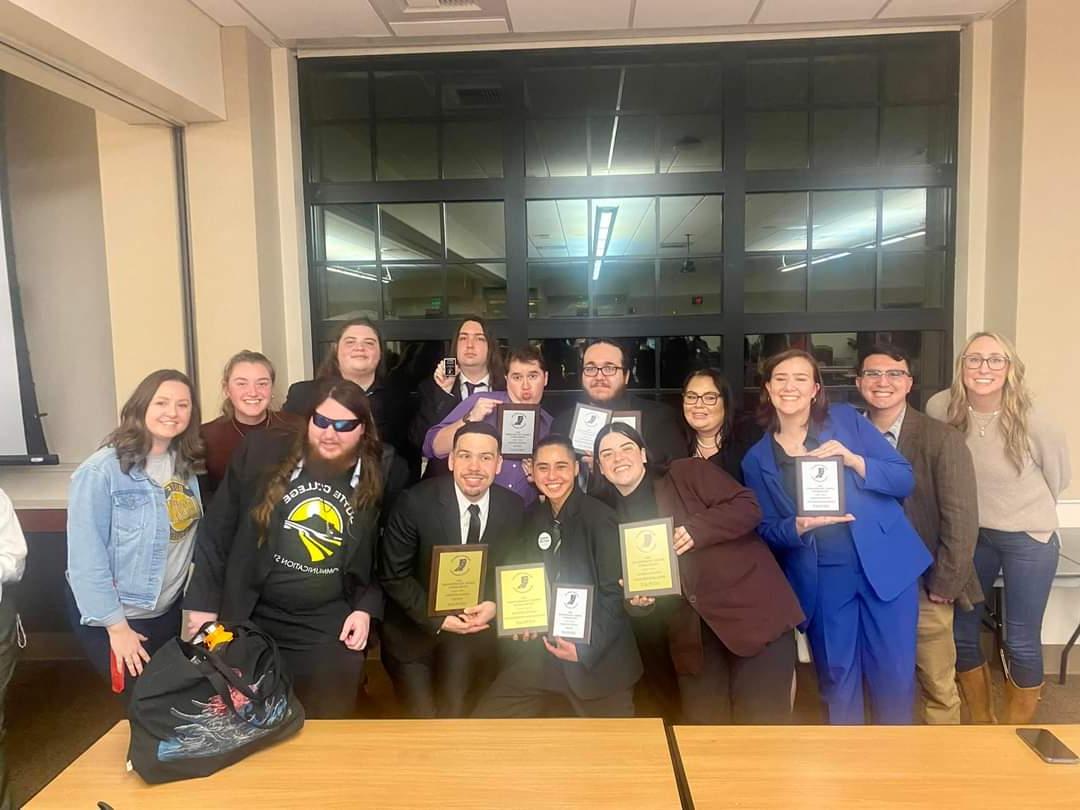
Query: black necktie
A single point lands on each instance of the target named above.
(474, 524)
(471, 387)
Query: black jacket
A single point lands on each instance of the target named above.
(425, 516)
(229, 565)
(589, 555)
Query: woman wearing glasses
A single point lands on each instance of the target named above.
(289, 543)
(729, 634)
(1021, 467)
(711, 429)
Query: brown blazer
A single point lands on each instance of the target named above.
(943, 507)
(730, 578)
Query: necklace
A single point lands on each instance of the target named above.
(711, 444)
(982, 422)
(263, 423)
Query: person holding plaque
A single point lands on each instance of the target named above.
(856, 574)
(730, 632)
(576, 538)
(526, 379)
(440, 663)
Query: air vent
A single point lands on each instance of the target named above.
(471, 96)
(436, 6)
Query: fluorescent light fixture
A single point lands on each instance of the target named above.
(357, 273)
(893, 240)
(605, 224)
(785, 268)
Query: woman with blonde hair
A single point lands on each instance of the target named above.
(1021, 466)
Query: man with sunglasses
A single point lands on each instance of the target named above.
(605, 374)
(440, 664)
(942, 508)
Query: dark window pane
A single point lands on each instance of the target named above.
(466, 92)
(699, 217)
(351, 292)
(559, 290)
(563, 360)
(691, 143)
(348, 232)
(621, 89)
(691, 287)
(917, 74)
(775, 283)
(912, 281)
(842, 281)
(632, 227)
(913, 218)
(556, 90)
(681, 355)
(844, 219)
(338, 95)
(776, 221)
(641, 354)
(914, 136)
(777, 140)
(555, 148)
(406, 93)
(407, 151)
(623, 287)
(472, 149)
(845, 137)
(341, 153)
(478, 288)
(410, 231)
(475, 230)
(557, 228)
(622, 144)
(777, 82)
(845, 79)
(689, 88)
(411, 291)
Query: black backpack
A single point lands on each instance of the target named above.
(194, 712)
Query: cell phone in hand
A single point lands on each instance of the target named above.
(449, 366)
(1044, 743)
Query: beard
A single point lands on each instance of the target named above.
(322, 468)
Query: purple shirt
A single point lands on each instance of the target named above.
(512, 476)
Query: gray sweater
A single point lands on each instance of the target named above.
(1011, 502)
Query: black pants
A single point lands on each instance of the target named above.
(448, 682)
(95, 640)
(523, 688)
(326, 678)
(8, 654)
(743, 691)
(658, 689)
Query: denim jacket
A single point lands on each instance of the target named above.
(117, 538)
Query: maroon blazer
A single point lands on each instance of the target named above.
(730, 578)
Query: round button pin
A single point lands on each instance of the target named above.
(544, 541)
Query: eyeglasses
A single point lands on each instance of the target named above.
(994, 362)
(339, 425)
(607, 371)
(692, 397)
(893, 374)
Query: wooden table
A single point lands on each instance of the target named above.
(403, 764)
(841, 767)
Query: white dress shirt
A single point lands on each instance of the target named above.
(463, 512)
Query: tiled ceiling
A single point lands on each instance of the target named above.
(393, 23)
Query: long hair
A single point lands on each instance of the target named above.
(132, 440)
(727, 424)
(244, 356)
(330, 367)
(495, 366)
(766, 413)
(1015, 400)
(368, 490)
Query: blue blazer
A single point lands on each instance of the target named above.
(891, 552)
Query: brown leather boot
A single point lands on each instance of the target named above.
(1021, 703)
(977, 693)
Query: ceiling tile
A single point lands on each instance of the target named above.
(442, 28)
(801, 11)
(692, 13)
(940, 8)
(290, 19)
(568, 15)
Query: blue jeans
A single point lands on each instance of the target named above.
(1029, 567)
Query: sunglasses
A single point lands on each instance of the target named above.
(339, 425)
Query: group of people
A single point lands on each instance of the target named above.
(311, 523)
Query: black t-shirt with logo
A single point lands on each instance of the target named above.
(303, 599)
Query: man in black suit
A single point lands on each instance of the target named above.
(605, 373)
(439, 664)
(577, 539)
